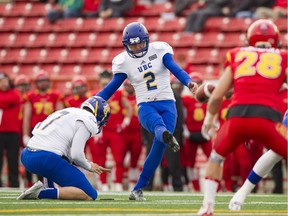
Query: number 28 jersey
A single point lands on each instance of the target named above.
(148, 75)
(258, 74)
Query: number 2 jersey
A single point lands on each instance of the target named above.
(258, 74)
(57, 131)
(148, 75)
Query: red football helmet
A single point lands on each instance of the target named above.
(263, 31)
(21, 80)
(79, 81)
(41, 75)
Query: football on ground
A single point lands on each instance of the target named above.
(204, 92)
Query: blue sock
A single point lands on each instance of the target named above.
(159, 133)
(254, 178)
(151, 163)
(49, 193)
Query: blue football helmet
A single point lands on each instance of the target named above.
(100, 109)
(135, 33)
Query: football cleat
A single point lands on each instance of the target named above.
(170, 140)
(32, 192)
(137, 195)
(235, 206)
(206, 210)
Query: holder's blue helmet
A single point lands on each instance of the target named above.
(135, 33)
(100, 109)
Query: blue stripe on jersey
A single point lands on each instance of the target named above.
(175, 69)
(112, 86)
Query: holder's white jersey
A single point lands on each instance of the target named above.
(148, 75)
(57, 134)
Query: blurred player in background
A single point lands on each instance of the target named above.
(59, 141)
(22, 83)
(10, 102)
(112, 135)
(79, 92)
(194, 116)
(171, 166)
(263, 166)
(147, 66)
(256, 73)
(132, 137)
(40, 102)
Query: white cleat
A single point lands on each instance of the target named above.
(206, 210)
(32, 192)
(137, 195)
(235, 206)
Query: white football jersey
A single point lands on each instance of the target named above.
(56, 132)
(148, 75)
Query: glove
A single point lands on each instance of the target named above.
(26, 139)
(124, 124)
(210, 126)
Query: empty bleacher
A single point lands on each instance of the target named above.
(29, 42)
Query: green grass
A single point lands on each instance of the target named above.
(157, 203)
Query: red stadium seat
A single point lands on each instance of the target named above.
(35, 56)
(11, 24)
(98, 56)
(77, 55)
(85, 39)
(24, 40)
(228, 24)
(13, 55)
(57, 55)
(44, 40)
(35, 24)
(18, 9)
(155, 24)
(7, 39)
(70, 25)
(155, 10)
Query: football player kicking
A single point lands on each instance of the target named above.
(256, 72)
(147, 66)
(262, 167)
(59, 141)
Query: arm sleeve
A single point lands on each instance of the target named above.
(112, 86)
(78, 144)
(175, 69)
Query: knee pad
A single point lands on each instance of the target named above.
(215, 157)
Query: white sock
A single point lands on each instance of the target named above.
(210, 189)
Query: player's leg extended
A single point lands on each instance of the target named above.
(224, 144)
(262, 167)
(152, 121)
(73, 183)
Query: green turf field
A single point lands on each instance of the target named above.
(157, 203)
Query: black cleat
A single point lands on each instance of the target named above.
(170, 140)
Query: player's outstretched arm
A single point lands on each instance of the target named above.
(112, 86)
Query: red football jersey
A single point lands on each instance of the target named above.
(116, 116)
(195, 113)
(258, 75)
(74, 101)
(10, 102)
(42, 104)
(134, 124)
